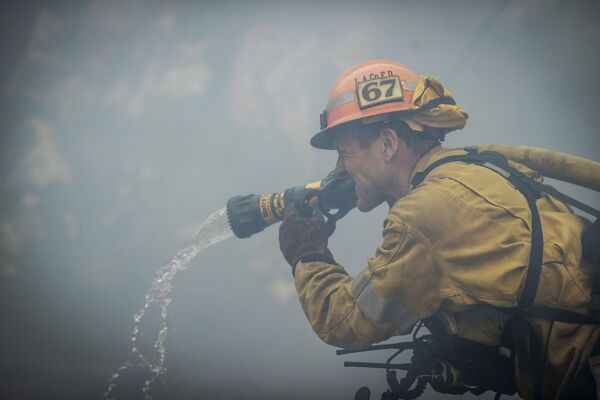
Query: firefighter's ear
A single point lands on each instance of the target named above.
(389, 143)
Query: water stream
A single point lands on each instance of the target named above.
(213, 230)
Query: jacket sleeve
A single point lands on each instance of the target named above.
(386, 299)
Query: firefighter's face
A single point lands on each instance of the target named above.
(366, 167)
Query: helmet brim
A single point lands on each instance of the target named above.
(323, 140)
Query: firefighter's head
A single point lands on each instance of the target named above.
(381, 118)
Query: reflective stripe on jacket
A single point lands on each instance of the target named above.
(457, 246)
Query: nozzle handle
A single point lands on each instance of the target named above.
(304, 199)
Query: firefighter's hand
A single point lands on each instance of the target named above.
(303, 238)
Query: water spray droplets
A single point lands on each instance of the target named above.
(213, 230)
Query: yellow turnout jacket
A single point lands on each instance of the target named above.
(457, 246)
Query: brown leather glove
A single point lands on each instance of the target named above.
(304, 238)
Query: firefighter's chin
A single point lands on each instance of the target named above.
(366, 204)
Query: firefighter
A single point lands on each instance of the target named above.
(457, 241)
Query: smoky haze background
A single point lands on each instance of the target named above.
(124, 124)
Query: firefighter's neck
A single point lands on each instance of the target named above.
(402, 165)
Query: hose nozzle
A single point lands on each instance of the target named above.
(252, 213)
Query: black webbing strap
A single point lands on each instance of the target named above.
(531, 190)
(558, 314)
(537, 241)
(563, 197)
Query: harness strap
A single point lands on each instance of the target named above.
(531, 190)
(558, 314)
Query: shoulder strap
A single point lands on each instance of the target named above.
(531, 190)
(498, 163)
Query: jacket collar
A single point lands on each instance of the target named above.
(430, 157)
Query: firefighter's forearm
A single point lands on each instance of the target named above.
(325, 293)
